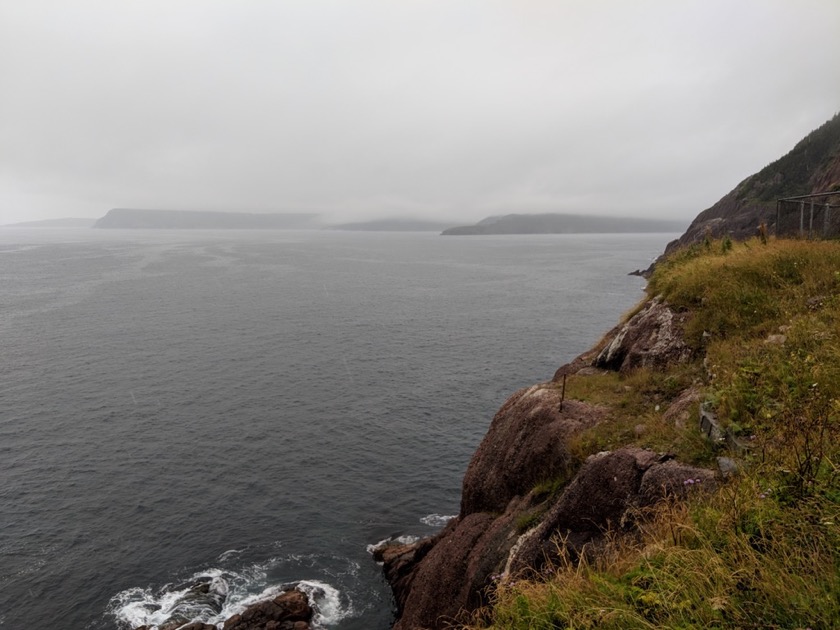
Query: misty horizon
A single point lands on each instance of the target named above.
(440, 111)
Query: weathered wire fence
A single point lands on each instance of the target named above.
(809, 216)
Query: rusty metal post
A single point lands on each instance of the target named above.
(563, 393)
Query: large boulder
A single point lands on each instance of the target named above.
(290, 610)
(526, 444)
(652, 338)
(606, 495)
(455, 572)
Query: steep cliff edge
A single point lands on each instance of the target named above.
(528, 483)
(812, 166)
(577, 483)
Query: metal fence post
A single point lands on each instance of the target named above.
(801, 218)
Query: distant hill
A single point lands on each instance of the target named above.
(812, 166)
(54, 223)
(563, 224)
(126, 218)
(393, 225)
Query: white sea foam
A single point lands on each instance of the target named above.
(230, 552)
(404, 539)
(229, 593)
(437, 520)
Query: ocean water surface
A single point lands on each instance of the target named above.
(245, 410)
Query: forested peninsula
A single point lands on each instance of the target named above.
(553, 223)
(685, 472)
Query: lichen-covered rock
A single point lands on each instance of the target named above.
(526, 444)
(683, 410)
(652, 338)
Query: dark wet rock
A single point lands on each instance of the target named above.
(453, 577)
(652, 338)
(399, 563)
(526, 444)
(201, 596)
(288, 611)
(439, 580)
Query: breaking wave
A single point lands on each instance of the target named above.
(214, 595)
(437, 520)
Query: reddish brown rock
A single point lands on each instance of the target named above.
(288, 611)
(453, 577)
(606, 495)
(673, 479)
(526, 444)
(652, 338)
(400, 562)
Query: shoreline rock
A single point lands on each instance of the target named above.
(525, 499)
(290, 610)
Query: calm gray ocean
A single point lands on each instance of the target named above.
(256, 408)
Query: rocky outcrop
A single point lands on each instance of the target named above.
(509, 519)
(526, 444)
(606, 495)
(440, 580)
(812, 166)
(288, 611)
(652, 338)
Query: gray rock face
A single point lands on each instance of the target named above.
(652, 338)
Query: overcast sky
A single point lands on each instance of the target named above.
(452, 109)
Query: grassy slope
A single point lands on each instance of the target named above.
(763, 551)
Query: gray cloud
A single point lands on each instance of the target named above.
(438, 108)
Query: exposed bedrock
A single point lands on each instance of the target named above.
(526, 444)
(652, 338)
(508, 522)
(606, 495)
(442, 579)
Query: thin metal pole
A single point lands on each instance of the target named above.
(801, 218)
(825, 220)
(811, 221)
(563, 393)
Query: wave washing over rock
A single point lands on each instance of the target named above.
(219, 598)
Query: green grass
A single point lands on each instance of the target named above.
(764, 550)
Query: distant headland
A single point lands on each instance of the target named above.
(127, 218)
(564, 224)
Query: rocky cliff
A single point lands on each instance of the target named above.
(812, 166)
(528, 496)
